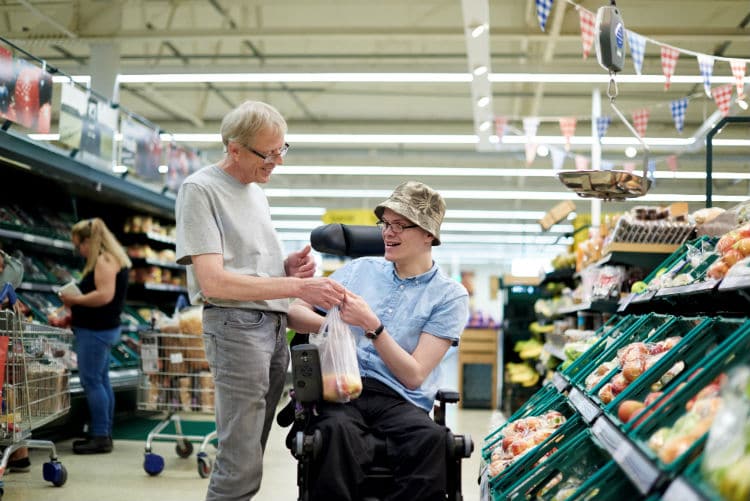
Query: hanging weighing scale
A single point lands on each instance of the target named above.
(610, 184)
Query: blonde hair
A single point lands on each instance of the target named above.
(100, 240)
(247, 120)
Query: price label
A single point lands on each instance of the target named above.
(150, 358)
(176, 358)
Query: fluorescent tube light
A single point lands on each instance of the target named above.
(486, 195)
(296, 78)
(550, 78)
(382, 170)
(480, 70)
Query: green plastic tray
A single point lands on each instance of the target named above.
(500, 483)
(677, 326)
(610, 330)
(547, 398)
(671, 406)
(639, 329)
(579, 458)
(708, 335)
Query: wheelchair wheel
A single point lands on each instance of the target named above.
(184, 448)
(204, 465)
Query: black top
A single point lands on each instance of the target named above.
(106, 316)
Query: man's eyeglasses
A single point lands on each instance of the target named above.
(395, 227)
(269, 158)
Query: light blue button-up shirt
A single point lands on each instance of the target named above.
(431, 302)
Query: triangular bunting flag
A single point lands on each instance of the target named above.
(629, 166)
(738, 70)
(558, 157)
(706, 65)
(582, 163)
(679, 107)
(602, 124)
(637, 50)
(668, 62)
(543, 8)
(640, 121)
(672, 163)
(588, 20)
(568, 129)
(500, 123)
(722, 96)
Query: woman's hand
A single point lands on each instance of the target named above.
(68, 299)
(356, 311)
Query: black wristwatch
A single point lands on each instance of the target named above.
(374, 334)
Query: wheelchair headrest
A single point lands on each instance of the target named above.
(348, 240)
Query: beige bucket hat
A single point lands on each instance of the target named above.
(419, 203)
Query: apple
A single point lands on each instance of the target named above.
(628, 409)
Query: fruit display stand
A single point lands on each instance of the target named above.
(594, 443)
(580, 469)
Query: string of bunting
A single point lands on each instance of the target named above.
(721, 95)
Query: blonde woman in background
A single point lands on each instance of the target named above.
(96, 324)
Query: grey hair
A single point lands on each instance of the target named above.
(247, 120)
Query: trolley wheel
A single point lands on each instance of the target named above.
(204, 465)
(153, 464)
(55, 472)
(184, 448)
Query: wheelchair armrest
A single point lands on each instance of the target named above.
(448, 396)
(444, 397)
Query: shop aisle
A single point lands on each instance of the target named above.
(119, 476)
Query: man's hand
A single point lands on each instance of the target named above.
(300, 264)
(323, 292)
(356, 311)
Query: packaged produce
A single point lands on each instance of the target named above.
(522, 435)
(726, 460)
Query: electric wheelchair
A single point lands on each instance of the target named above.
(304, 444)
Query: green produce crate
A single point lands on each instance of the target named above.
(606, 333)
(538, 404)
(639, 329)
(676, 262)
(708, 335)
(672, 406)
(563, 472)
(525, 462)
(685, 327)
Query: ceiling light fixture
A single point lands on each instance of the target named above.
(480, 70)
(365, 194)
(485, 125)
(631, 152)
(483, 101)
(434, 139)
(457, 78)
(479, 30)
(427, 171)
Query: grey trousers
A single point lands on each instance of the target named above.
(248, 356)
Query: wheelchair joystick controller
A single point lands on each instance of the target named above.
(307, 381)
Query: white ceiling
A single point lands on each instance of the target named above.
(397, 36)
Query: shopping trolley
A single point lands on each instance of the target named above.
(35, 385)
(176, 379)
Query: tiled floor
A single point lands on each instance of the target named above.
(120, 476)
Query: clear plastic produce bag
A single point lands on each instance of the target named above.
(338, 359)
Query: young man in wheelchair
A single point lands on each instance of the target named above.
(405, 313)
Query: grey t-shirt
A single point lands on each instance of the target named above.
(216, 214)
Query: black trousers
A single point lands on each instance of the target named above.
(415, 447)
